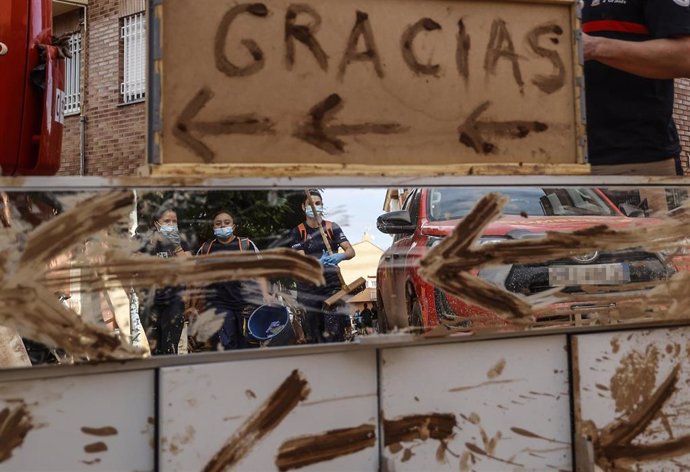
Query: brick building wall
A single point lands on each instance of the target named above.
(114, 133)
(69, 23)
(682, 116)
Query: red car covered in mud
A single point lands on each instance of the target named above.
(430, 214)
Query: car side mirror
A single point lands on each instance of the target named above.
(395, 222)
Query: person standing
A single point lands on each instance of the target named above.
(230, 299)
(166, 309)
(307, 238)
(367, 317)
(633, 50)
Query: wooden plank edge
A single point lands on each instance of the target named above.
(359, 170)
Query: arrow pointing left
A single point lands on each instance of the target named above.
(185, 125)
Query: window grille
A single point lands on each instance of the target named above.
(133, 36)
(72, 76)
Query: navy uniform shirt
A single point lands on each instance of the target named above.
(237, 294)
(629, 118)
(313, 246)
(162, 247)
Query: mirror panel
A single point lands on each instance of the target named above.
(130, 273)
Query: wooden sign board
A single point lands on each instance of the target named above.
(365, 82)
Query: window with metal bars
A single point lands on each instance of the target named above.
(133, 35)
(72, 76)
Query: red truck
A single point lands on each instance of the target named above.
(32, 74)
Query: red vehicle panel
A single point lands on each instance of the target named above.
(32, 74)
(428, 215)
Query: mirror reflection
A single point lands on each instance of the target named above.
(132, 273)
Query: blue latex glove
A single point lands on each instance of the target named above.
(334, 259)
(324, 257)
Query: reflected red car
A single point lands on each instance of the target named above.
(430, 214)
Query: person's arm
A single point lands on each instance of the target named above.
(349, 250)
(654, 59)
(182, 250)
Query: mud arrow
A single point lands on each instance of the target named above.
(315, 132)
(472, 131)
(234, 124)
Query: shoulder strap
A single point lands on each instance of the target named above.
(329, 230)
(302, 231)
(206, 247)
(244, 244)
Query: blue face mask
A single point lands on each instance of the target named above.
(223, 233)
(170, 232)
(310, 213)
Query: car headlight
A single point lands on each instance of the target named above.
(491, 240)
(434, 240)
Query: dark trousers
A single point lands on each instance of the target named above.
(231, 334)
(319, 325)
(165, 326)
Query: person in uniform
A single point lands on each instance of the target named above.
(320, 325)
(167, 306)
(633, 50)
(232, 298)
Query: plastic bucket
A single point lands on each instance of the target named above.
(271, 324)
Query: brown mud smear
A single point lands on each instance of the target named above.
(141, 271)
(412, 428)
(484, 384)
(615, 345)
(104, 431)
(478, 450)
(268, 416)
(447, 265)
(95, 448)
(633, 381)
(530, 434)
(306, 450)
(15, 424)
(30, 307)
(612, 445)
(496, 370)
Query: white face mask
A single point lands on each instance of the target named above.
(310, 213)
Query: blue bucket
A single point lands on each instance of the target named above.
(271, 324)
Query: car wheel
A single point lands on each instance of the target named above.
(414, 318)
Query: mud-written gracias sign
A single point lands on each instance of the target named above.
(376, 82)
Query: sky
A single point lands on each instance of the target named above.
(355, 211)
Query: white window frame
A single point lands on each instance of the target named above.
(72, 94)
(133, 34)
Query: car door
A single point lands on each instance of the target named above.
(400, 259)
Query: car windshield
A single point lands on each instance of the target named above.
(456, 202)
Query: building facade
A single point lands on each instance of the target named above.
(105, 123)
(105, 133)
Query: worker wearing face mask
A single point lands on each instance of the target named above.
(232, 299)
(164, 318)
(307, 238)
